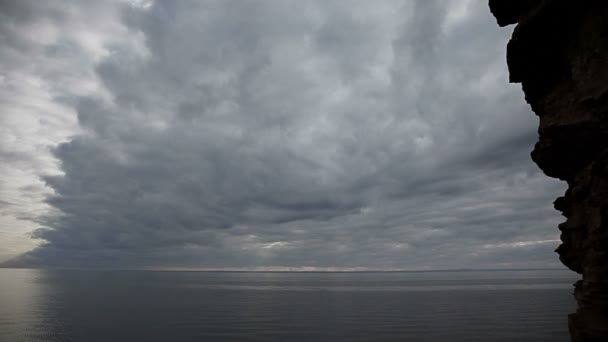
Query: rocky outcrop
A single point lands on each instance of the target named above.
(559, 53)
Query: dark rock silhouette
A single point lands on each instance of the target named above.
(559, 53)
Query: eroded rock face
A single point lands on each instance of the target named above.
(559, 53)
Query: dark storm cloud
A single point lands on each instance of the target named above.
(317, 133)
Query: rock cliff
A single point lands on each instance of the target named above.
(559, 53)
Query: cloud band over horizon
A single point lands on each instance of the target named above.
(233, 134)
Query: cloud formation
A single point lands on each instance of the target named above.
(292, 133)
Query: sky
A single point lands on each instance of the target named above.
(317, 135)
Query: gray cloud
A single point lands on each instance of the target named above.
(309, 133)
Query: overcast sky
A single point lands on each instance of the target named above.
(228, 134)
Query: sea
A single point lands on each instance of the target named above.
(78, 305)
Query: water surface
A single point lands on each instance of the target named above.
(45, 305)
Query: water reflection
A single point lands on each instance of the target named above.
(28, 310)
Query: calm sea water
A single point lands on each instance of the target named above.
(41, 305)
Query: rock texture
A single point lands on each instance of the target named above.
(559, 53)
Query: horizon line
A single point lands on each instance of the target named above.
(290, 270)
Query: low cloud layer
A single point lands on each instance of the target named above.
(214, 134)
